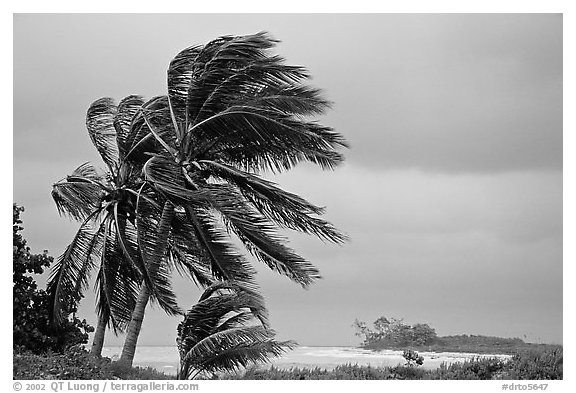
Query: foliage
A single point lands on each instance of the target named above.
(545, 364)
(76, 364)
(233, 110)
(533, 364)
(413, 358)
(32, 307)
(217, 335)
(477, 368)
(183, 179)
(123, 371)
(393, 332)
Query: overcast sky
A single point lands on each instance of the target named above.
(451, 192)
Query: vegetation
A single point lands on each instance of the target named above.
(183, 182)
(32, 330)
(217, 335)
(232, 111)
(393, 333)
(533, 365)
(78, 364)
(413, 358)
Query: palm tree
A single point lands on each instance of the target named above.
(232, 111)
(218, 334)
(106, 206)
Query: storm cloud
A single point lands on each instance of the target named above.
(451, 192)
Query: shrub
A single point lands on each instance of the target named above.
(477, 368)
(413, 358)
(32, 330)
(76, 363)
(546, 364)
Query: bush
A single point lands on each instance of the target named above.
(477, 368)
(537, 365)
(32, 330)
(77, 363)
(413, 358)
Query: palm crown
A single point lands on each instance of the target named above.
(232, 111)
(186, 170)
(219, 334)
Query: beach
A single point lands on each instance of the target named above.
(165, 358)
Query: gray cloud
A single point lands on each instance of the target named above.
(452, 191)
(453, 93)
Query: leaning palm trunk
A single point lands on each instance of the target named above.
(133, 332)
(134, 328)
(99, 334)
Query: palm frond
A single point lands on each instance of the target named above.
(80, 193)
(141, 140)
(226, 263)
(179, 78)
(260, 237)
(268, 139)
(127, 109)
(283, 208)
(186, 254)
(117, 283)
(216, 333)
(167, 177)
(231, 349)
(247, 297)
(100, 125)
(218, 59)
(264, 83)
(69, 275)
(153, 234)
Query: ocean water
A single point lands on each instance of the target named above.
(166, 359)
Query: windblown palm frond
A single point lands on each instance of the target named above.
(81, 193)
(232, 110)
(100, 124)
(217, 334)
(117, 284)
(127, 109)
(70, 274)
(108, 237)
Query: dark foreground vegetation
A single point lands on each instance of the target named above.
(77, 364)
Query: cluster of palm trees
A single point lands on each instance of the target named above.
(182, 186)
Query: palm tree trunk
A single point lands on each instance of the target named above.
(99, 334)
(135, 325)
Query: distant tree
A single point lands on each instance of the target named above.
(394, 332)
(423, 334)
(32, 329)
